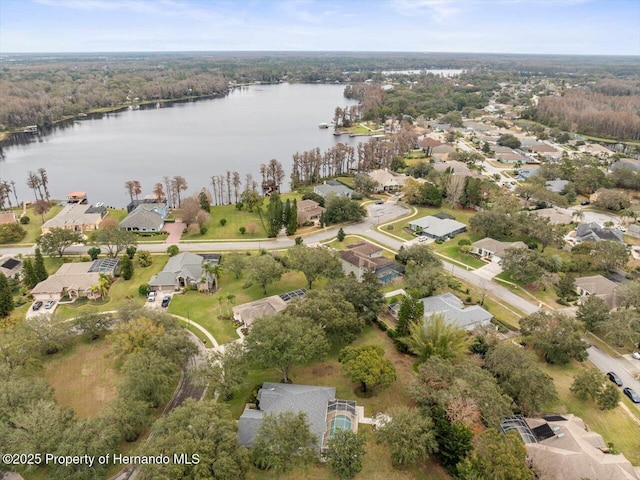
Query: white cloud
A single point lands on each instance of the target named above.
(440, 9)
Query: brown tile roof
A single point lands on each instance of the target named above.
(8, 217)
(364, 248)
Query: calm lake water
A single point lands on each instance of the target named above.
(197, 140)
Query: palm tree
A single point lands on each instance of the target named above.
(578, 215)
(102, 288)
(230, 299)
(213, 272)
(434, 336)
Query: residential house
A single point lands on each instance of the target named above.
(387, 181)
(434, 227)
(332, 186)
(8, 217)
(154, 199)
(427, 145)
(146, 217)
(555, 216)
(596, 150)
(454, 311)
(309, 211)
(599, 286)
(362, 257)
(74, 280)
(561, 447)
(183, 270)
(556, 186)
(493, 250)
(10, 266)
(456, 167)
(592, 232)
(247, 313)
(324, 412)
(547, 151)
(77, 217)
(511, 157)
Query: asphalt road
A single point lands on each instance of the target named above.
(622, 367)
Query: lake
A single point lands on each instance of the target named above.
(197, 140)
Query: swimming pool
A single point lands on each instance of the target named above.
(340, 421)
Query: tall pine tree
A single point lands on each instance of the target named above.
(6, 297)
(39, 268)
(292, 221)
(30, 278)
(274, 215)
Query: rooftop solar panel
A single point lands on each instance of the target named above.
(10, 263)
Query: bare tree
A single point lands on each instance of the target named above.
(168, 190)
(130, 187)
(33, 182)
(44, 180)
(41, 207)
(13, 184)
(178, 184)
(158, 192)
(228, 187)
(236, 184)
(137, 188)
(455, 189)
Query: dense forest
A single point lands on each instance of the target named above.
(608, 109)
(42, 89)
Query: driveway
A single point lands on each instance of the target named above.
(175, 232)
(489, 271)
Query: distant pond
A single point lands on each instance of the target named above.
(196, 139)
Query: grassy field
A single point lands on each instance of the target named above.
(213, 312)
(83, 377)
(614, 425)
(34, 227)
(235, 219)
(452, 250)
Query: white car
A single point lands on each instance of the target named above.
(151, 297)
(636, 355)
(422, 238)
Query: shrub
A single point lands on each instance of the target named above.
(389, 227)
(242, 230)
(464, 241)
(247, 285)
(11, 232)
(223, 222)
(24, 220)
(203, 230)
(144, 289)
(173, 250)
(298, 240)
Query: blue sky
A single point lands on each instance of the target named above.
(601, 27)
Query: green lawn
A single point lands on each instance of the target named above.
(34, 227)
(614, 425)
(213, 312)
(460, 214)
(235, 219)
(452, 250)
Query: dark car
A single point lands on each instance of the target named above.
(614, 378)
(37, 305)
(635, 398)
(585, 202)
(165, 301)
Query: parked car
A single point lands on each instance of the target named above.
(614, 378)
(422, 238)
(379, 202)
(49, 304)
(151, 297)
(165, 301)
(636, 355)
(585, 202)
(37, 305)
(635, 398)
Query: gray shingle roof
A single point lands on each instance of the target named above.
(143, 219)
(276, 398)
(594, 232)
(454, 311)
(436, 227)
(186, 265)
(327, 188)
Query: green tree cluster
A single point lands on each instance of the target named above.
(366, 364)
